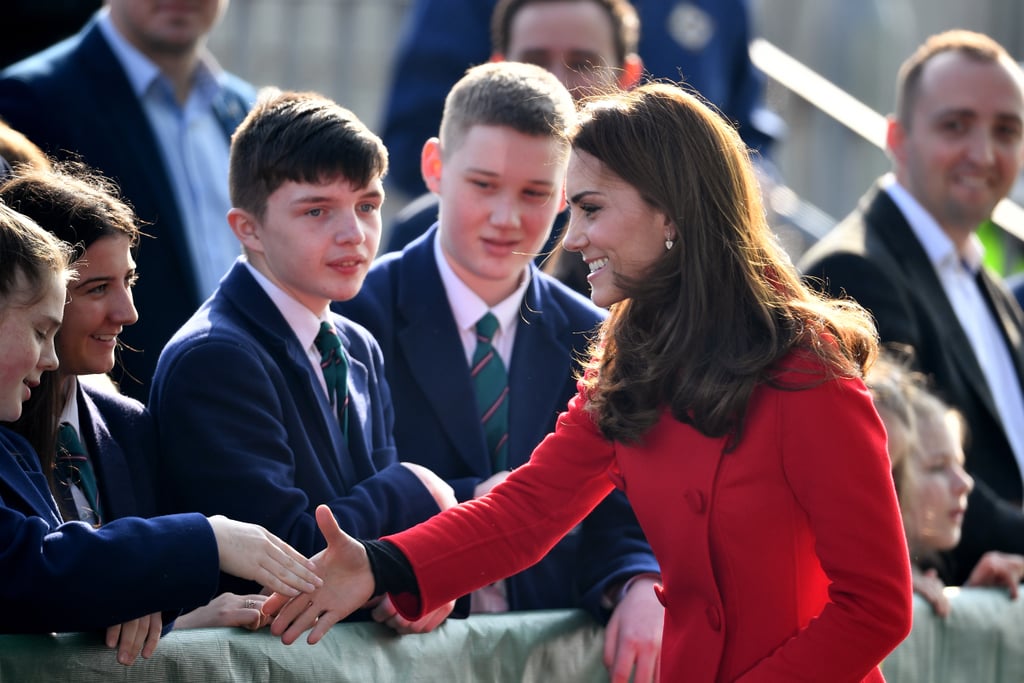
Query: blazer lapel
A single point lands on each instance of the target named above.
(540, 354)
(909, 253)
(111, 467)
(21, 480)
(426, 329)
(266, 323)
(130, 123)
(1008, 316)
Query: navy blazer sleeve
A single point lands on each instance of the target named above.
(236, 440)
(73, 577)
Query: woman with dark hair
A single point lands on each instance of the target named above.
(723, 397)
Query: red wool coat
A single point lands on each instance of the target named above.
(783, 560)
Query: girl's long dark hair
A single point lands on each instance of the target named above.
(711, 319)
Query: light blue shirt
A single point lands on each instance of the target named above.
(194, 148)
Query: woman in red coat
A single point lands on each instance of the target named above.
(723, 397)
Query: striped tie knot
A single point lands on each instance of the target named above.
(334, 365)
(490, 382)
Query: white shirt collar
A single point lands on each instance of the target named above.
(467, 307)
(70, 411)
(303, 323)
(937, 245)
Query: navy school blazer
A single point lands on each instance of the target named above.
(246, 431)
(73, 577)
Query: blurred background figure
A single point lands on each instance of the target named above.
(926, 448)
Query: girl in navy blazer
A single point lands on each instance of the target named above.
(117, 433)
(57, 576)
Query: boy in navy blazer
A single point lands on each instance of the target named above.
(246, 420)
(499, 168)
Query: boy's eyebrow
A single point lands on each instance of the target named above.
(494, 174)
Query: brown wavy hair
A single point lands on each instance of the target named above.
(710, 320)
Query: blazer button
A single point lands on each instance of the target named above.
(695, 499)
(659, 592)
(714, 617)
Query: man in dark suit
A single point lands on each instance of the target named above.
(499, 169)
(135, 95)
(254, 419)
(910, 255)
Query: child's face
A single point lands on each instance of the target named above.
(500, 191)
(26, 342)
(315, 241)
(938, 486)
(100, 305)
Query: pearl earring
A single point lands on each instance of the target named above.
(668, 245)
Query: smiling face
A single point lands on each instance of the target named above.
(100, 305)
(937, 485)
(315, 240)
(27, 330)
(500, 191)
(614, 230)
(961, 149)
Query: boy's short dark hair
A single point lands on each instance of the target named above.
(302, 137)
(524, 97)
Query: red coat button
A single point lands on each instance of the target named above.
(695, 499)
(714, 617)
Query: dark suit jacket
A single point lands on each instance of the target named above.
(131, 567)
(874, 257)
(118, 433)
(245, 430)
(74, 99)
(403, 303)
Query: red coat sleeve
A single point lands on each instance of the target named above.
(506, 531)
(836, 461)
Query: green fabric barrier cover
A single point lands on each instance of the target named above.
(982, 641)
(557, 645)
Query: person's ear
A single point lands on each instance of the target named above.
(671, 233)
(632, 71)
(895, 139)
(431, 165)
(246, 229)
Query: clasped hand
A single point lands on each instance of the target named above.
(348, 584)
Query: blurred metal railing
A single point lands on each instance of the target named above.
(851, 112)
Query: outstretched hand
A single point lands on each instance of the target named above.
(348, 584)
(251, 552)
